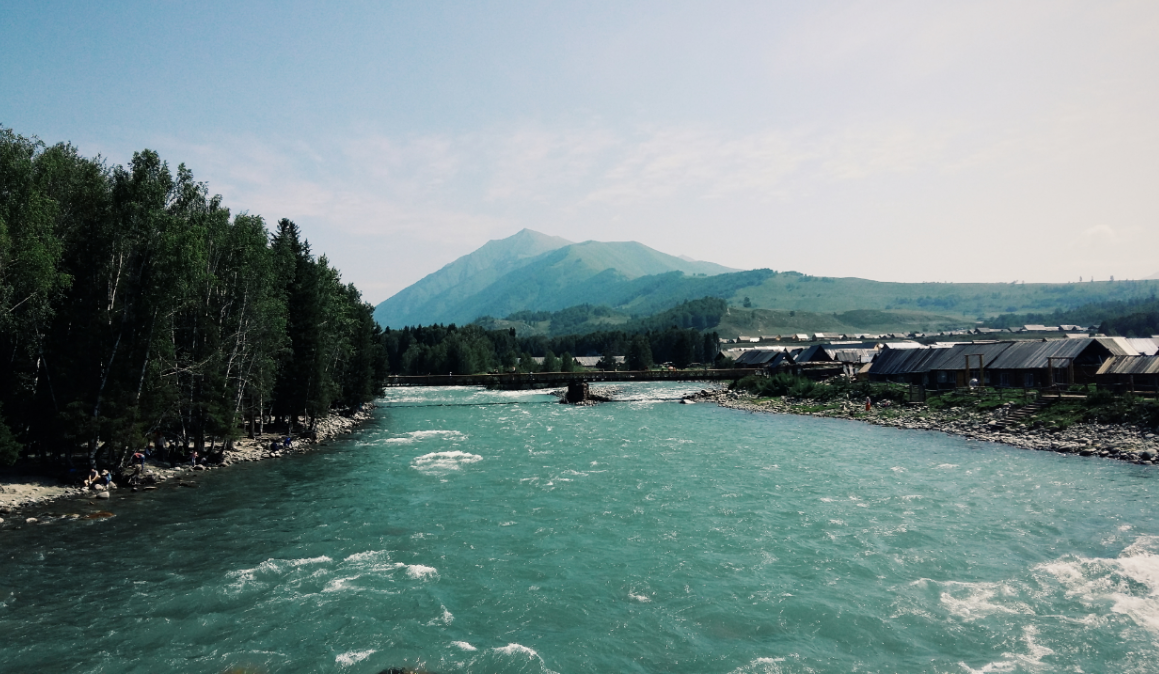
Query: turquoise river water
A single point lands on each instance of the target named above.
(472, 531)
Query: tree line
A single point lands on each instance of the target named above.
(702, 314)
(133, 303)
(1134, 317)
(471, 349)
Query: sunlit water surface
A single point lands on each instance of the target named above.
(472, 531)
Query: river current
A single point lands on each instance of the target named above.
(465, 530)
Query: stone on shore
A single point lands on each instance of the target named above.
(1121, 442)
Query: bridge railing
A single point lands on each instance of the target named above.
(510, 380)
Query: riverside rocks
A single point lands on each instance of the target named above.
(28, 493)
(1124, 443)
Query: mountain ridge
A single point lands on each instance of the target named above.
(524, 270)
(535, 272)
(469, 273)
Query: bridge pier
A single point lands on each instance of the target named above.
(577, 391)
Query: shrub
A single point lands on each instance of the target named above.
(9, 447)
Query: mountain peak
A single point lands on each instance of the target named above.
(527, 270)
(525, 241)
(435, 293)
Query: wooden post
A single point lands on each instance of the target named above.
(1050, 368)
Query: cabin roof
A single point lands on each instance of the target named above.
(1130, 365)
(1037, 355)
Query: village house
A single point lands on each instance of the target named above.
(1129, 374)
(1055, 362)
(855, 352)
(1005, 364)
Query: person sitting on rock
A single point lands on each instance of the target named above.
(92, 478)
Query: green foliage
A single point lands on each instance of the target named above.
(639, 354)
(438, 349)
(780, 384)
(1138, 315)
(1137, 324)
(1101, 407)
(425, 350)
(1098, 406)
(701, 314)
(9, 447)
(980, 398)
(837, 389)
(132, 302)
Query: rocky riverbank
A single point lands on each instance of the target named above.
(21, 498)
(1120, 442)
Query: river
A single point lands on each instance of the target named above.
(464, 530)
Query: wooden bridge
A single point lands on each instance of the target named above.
(512, 381)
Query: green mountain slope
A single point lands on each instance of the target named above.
(757, 322)
(561, 277)
(465, 276)
(714, 314)
(974, 301)
(531, 271)
(701, 314)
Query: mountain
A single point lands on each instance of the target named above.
(534, 272)
(529, 271)
(464, 277)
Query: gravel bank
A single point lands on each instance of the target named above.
(21, 498)
(1123, 443)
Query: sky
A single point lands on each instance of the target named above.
(896, 141)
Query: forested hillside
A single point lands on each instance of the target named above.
(511, 276)
(713, 313)
(1129, 318)
(702, 314)
(132, 302)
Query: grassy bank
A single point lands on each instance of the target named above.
(1079, 405)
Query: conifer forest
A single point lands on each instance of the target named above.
(134, 304)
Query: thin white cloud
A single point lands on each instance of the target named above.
(1026, 129)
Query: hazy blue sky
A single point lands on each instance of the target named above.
(898, 141)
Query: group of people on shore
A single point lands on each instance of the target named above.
(98, 480)
(277, 445)
(168, 452)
